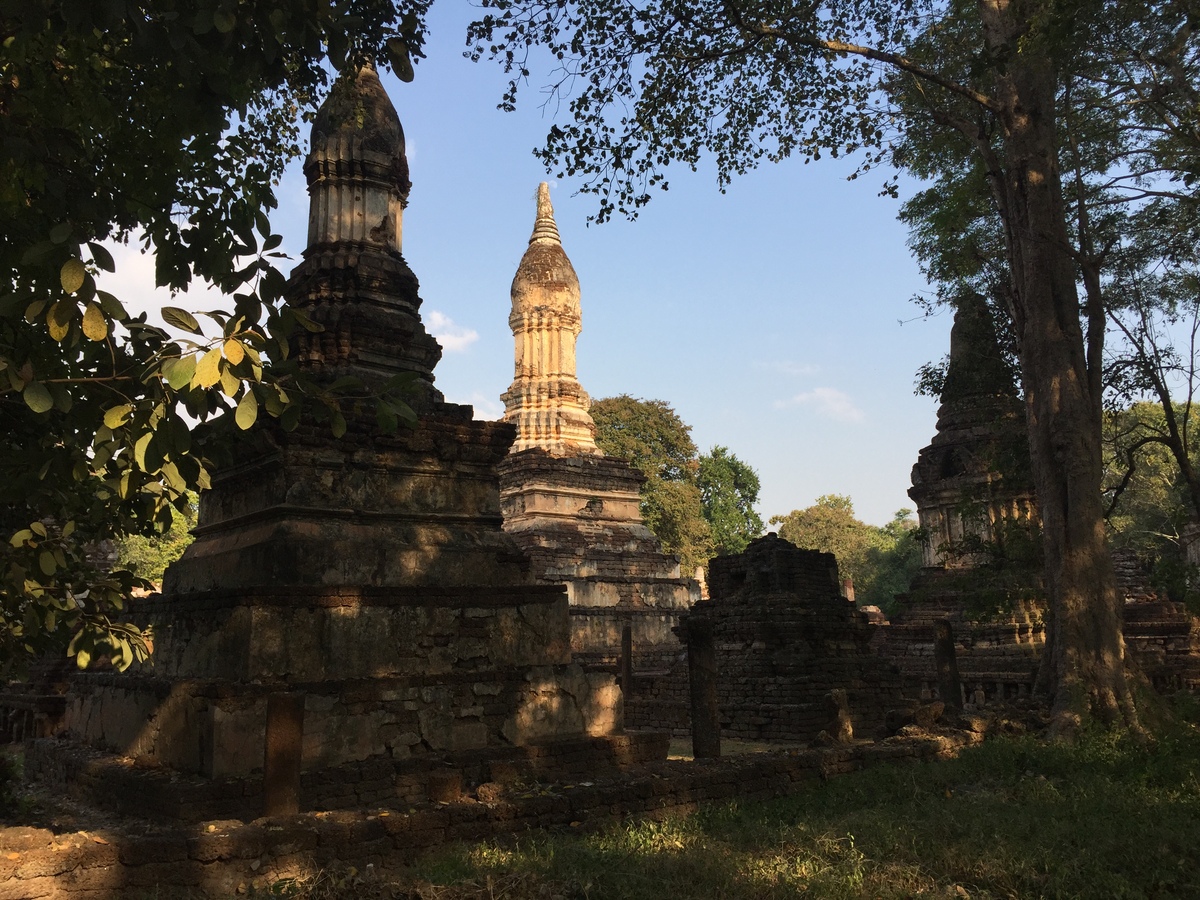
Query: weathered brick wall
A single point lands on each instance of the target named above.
(998, 656)
(399, 672)
(219, 858)
(120, 785)
(784, 638)
(1165, 638)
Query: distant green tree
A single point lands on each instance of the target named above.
(880, 561)
(1148, 502)
(148, 556)
(650, 435)
(892, 563)
(728, 491)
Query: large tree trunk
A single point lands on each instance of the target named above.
(1087, 650)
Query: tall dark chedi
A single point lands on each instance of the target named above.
(304, 508)
(574, 510)
(977, 509)
(368, 575)
(973, 480)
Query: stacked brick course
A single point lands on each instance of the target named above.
(221, 858)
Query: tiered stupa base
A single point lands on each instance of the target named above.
(577, 519)
(997, 654)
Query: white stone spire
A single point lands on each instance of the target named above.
(545, 400)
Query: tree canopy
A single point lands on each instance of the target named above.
(696, 504)
(650, 435)
(728, 491)
(165, 123)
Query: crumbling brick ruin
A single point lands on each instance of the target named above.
(572, 509)
(976, 503)
(785, 638)
(1162, 634)
(352, 606)
(977, 509)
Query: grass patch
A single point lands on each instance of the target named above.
(1105, 817)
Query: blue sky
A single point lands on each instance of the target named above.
(768, 317)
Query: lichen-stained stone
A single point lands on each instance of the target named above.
(590, 700)
(546, 401)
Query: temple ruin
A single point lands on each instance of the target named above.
(982, 573)
(784, 638)
(977, 509)
(351, 608)
(574, 511)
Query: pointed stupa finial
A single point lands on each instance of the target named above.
(544, 227)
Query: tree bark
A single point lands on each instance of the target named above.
(1087, 653)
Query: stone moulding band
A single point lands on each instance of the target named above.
(302, 513)
(656, 612)
(362, 689)
(469, 597)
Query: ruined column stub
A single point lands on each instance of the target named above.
(546, 401)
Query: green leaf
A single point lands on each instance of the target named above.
(58, 320)
(208, 370)
(181, 318)
(19, 539)
(229, 382)
(290, 417)
(179, 372)
(234, 351)
(83, 658)
(112, 306)
(338, 425)
(46, 563)
(72, 275)
(37, 397)
(139, 449)
(59, 233)
(306, 322)
(34, 309)
(224, 20)
(385, 417)
(95, 326)
(102, 257)
(37, 253)
(401, 59)
(247, 411)
(115, 416)
(171, 475)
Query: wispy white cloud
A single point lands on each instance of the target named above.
(453, 338)
(828, 402)
(787, 367)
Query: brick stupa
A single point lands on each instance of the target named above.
(575, 511)
(976, 503)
